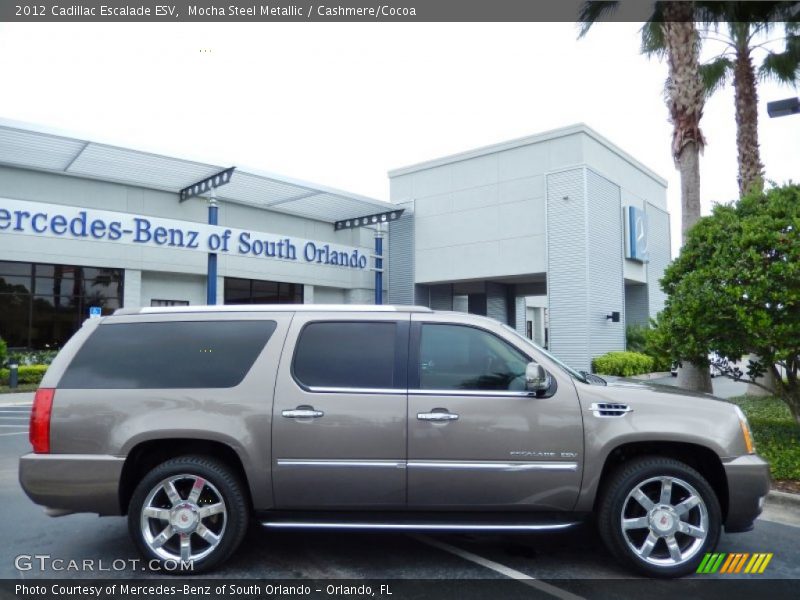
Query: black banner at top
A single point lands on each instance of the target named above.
(311, 10)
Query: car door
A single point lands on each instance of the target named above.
(476, 437)
(339, 415)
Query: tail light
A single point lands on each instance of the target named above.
(40, 420)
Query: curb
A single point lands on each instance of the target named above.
(784, 499)
(656, 375)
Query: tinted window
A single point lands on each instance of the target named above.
(351, 355)
(189, 354)
(454, 357)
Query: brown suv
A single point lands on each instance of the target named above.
(194, 420)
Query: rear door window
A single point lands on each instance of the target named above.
(182, 354)
(350, 355)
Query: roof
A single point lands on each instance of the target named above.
(28, 146)
(221, 308)
(526, 141)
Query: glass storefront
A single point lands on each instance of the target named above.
(42, 305)
(254, 291)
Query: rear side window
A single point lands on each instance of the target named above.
(348, 355)
(184, 354)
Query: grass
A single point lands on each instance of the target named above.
(22, 387)
(777, 435)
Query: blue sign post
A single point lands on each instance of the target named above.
(201, 188)
(377, 220)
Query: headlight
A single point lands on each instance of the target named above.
(746, 433)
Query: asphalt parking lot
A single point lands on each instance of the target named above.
(321, 555)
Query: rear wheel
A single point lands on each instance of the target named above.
(189, 510)
(659, 516)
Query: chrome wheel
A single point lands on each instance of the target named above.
(664, 521)
(183, 518)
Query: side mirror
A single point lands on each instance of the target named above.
(536, 378)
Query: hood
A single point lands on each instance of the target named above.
(646, 387)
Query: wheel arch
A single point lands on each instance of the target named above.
(147, 454)
(701, 458)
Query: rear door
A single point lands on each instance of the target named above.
(477, 439)
(339, 415)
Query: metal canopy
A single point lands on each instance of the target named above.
(29, 147)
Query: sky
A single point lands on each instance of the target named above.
(340, 104)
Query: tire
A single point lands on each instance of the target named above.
(691, 517)
(205, 541)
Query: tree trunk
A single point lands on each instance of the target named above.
(751, 171)
(689, 169)
(685, 100)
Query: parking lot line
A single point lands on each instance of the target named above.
(499, 568)
(13, 433)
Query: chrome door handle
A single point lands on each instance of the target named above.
(437, 416)
(302, 413)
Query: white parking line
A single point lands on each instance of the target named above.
(13, 433)
(17, 426)
(499, 568)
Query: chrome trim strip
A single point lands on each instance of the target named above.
(345, 390)
(416, 526)
(290, 462)
(495, 465)
(501, 393)
(398, 391)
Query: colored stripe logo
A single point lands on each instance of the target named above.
(726, 563)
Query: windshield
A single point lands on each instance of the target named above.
(569, 370)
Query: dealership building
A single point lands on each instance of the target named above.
(561, 235)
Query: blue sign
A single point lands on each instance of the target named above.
(94, 312)
(636, 234)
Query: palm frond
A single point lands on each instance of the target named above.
(783, 67)
(715, 74)
(593, 11)
(653, 42)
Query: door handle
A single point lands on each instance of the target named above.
(437, 416)
(302, 412)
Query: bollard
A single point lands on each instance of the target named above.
(13, 369)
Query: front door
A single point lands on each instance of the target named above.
(339, 416)
(476, 438)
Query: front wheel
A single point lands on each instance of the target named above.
(188, 514)
(659, 516)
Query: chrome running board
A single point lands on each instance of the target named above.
(416, 526)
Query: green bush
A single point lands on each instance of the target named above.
(3, 351)
(636, 338)
(623, 364)
(26, 374)
(775, 432)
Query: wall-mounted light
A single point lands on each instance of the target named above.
(614, 316)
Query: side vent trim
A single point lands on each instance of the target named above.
(606, 410)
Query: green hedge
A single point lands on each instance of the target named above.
(26, 374)
(623, 364)
(776, 434)
(3, 352)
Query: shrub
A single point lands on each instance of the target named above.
(636, 338)
(3, 351)
(26, 374)
(35, 357)
(623, 364)
(776, 434)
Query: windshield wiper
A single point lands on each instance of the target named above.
(593, 379)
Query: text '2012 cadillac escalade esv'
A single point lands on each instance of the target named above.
(194, 420)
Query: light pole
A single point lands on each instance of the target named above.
(783, 108)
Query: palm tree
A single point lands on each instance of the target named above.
(674, 24)
(741, 27)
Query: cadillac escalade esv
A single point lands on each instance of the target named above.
(194, 420)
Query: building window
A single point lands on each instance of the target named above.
(42, 305)
(254, 291)
(155, 302)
